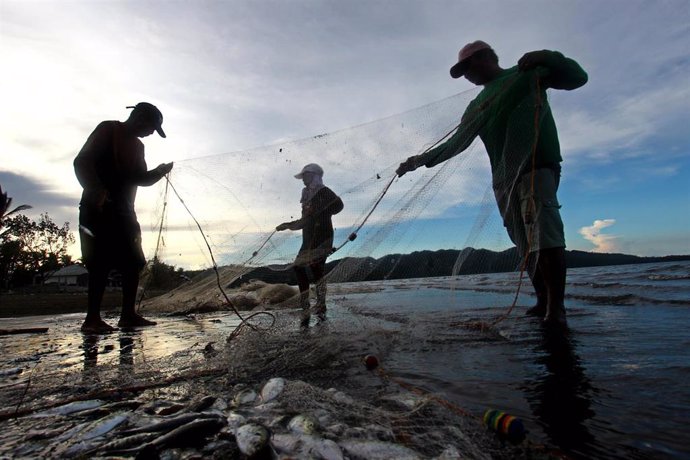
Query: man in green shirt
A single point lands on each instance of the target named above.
(512, 117)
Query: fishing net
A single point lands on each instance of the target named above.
(361, 412)
(219, 213)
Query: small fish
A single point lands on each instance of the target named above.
(342, 398)
(103, 426)
(75, 449)
(246, 396)
(12, 371)
(203, 404)
(303, 424)
(73, 407)
(131, 404)
(169, 410)
(252, 439)
(236, 420)
(306, 446)
(451, 453)
(85, 440)
(404, 401)
(127, 441)
(377, 450)
(272, 389)
(164, 425)
(33, 435)
(190, 434)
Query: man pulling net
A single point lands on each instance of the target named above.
(512, 117)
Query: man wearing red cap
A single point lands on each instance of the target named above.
(512, 117)
(110, 167)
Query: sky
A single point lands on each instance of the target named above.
(232, 76)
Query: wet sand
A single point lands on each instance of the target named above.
(135, 373)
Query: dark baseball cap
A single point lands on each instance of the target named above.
(152, 113)
(459, 69)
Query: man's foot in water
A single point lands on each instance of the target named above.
(96, 326)
(537, 310)
(320, 312)
(135, 321)
(555, 317)
(304, 320)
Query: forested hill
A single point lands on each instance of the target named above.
(422, 264)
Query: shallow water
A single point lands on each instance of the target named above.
(64, 356)
(613, 388)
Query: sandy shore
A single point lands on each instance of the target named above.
(135, 374)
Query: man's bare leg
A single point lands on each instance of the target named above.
(539, 287)
(129, 317)
(552, 266)
(93, 323)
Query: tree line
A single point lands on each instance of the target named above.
(31, 250)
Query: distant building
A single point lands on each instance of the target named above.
(72, 275)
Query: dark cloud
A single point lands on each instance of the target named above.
(40, 196)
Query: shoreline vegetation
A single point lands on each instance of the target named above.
(420, 264)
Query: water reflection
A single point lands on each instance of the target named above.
(91, 347)
(126, 353)
(561, 397)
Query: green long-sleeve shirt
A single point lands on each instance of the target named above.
(503, 116)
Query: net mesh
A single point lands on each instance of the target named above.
(222, 210)
(219, 213)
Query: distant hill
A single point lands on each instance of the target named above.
(423, 264)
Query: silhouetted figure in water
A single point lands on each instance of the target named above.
(512, 117)
(110, 167)
(319, 204)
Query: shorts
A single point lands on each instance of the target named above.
(110, 240)
(533, 220)
(313, 255)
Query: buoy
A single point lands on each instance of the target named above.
(371, 362)
(505, 425)
(352, 237)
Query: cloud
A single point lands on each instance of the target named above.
(601, 242)
(40, 195)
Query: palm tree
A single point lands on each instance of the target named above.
(5, 203)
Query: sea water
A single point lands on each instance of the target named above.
(614, 386)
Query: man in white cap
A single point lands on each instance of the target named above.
(512, 117)
(319, 204)
(110, 167)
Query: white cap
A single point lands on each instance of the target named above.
(310, 168)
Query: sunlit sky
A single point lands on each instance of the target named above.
(230, 76)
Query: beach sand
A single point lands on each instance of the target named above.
(133, 374)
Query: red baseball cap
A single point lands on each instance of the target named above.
(459, 69)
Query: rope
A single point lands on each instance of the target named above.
(353, 235)
(158, 243)
(532, 209)
(215, 269)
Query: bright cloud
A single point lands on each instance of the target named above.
(231, 76)
(601, 242)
